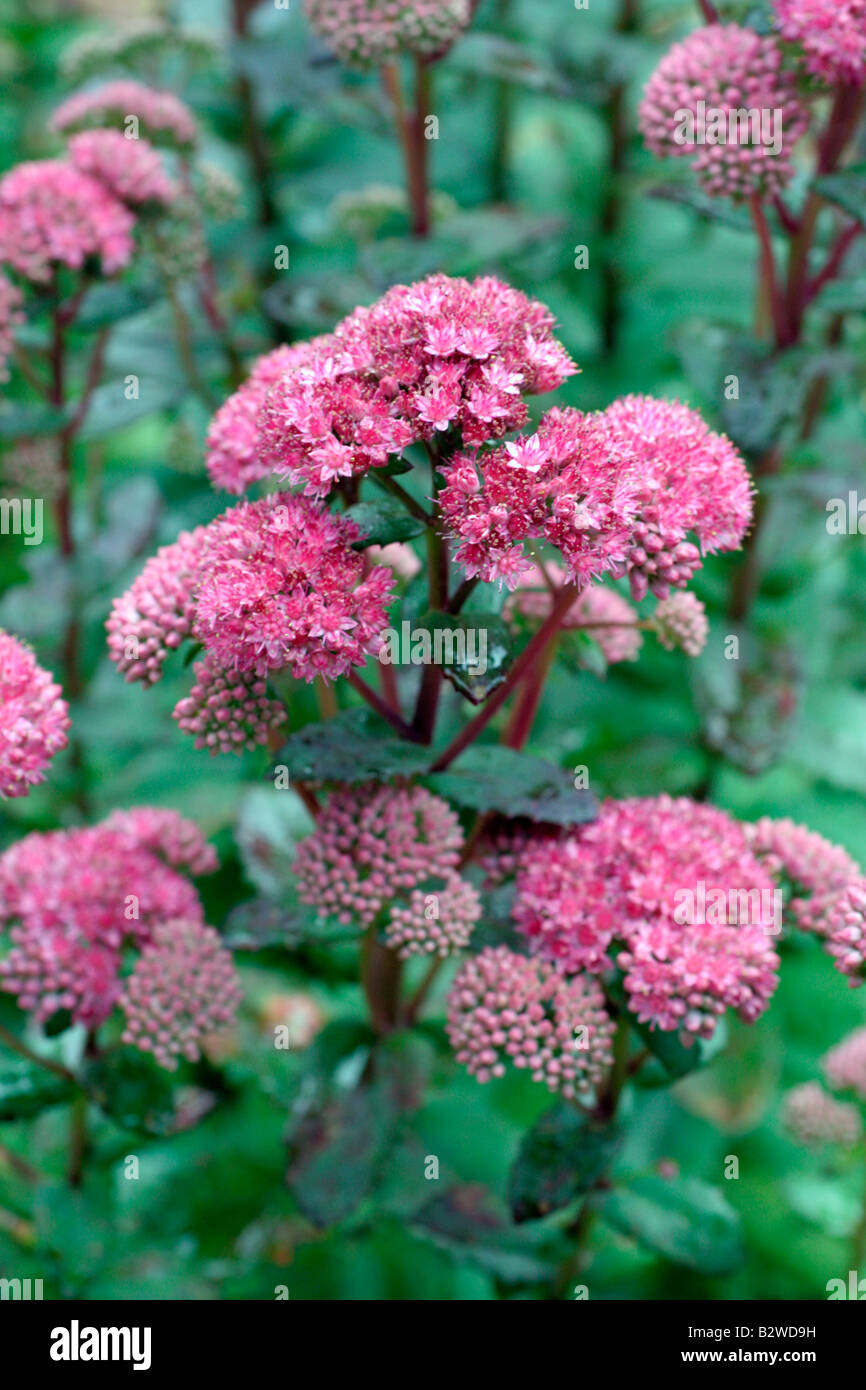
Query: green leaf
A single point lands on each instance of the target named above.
(382, 521)
(105, 304)
(26, 1089)
(560, 1158)
(339, 1142)
(471, 1224)
(483, 637)
(847, 189)
(28, 421)
(687, 1221)
(493, 778)
(706, 206)
(264, 924)
(133, 1090)
(355, 746)
(110, 410)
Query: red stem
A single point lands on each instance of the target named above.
(530, 653)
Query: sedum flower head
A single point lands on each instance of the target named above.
(131, 170)
(617, 491)
(671, 891)
(813, 1117)
(34, 718)
(438, 356)
(844, 929)
(228, 711)
(504, 1008)
(681, 621)
(71, 900)
(845, 1064)
(817, 869)
(183, 988)
(730, 70)
(832, 34)
(283, 588)
(368, 33)
(232, 453)
(395, 850)
(53, 214)
(161, 116)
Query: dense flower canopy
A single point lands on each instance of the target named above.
(34, 718)
(270, 585)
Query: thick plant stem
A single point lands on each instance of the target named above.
(413, 139)
(617, 123)
(381, 972)
(381, 706)
(526, 708)
(528, 656)
(254, 136)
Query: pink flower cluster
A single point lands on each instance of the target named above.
(617, 491)
(832, 34)
(130, 169)
(675, 885)
(183, 987)
(282, 587)
(814, 1117)
(818, 870)
(594, 608)
(227, 711)
(34, 719)
(504, 1007)
(844, 929)
(730, 70)
(392, 850)
(368, 33)
(681, 621)
(10, 317)
(845, 1065)
(53, 214)
(232, 447)
(270, 585)
(442, 355)
(163, 115)
(72, 900)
